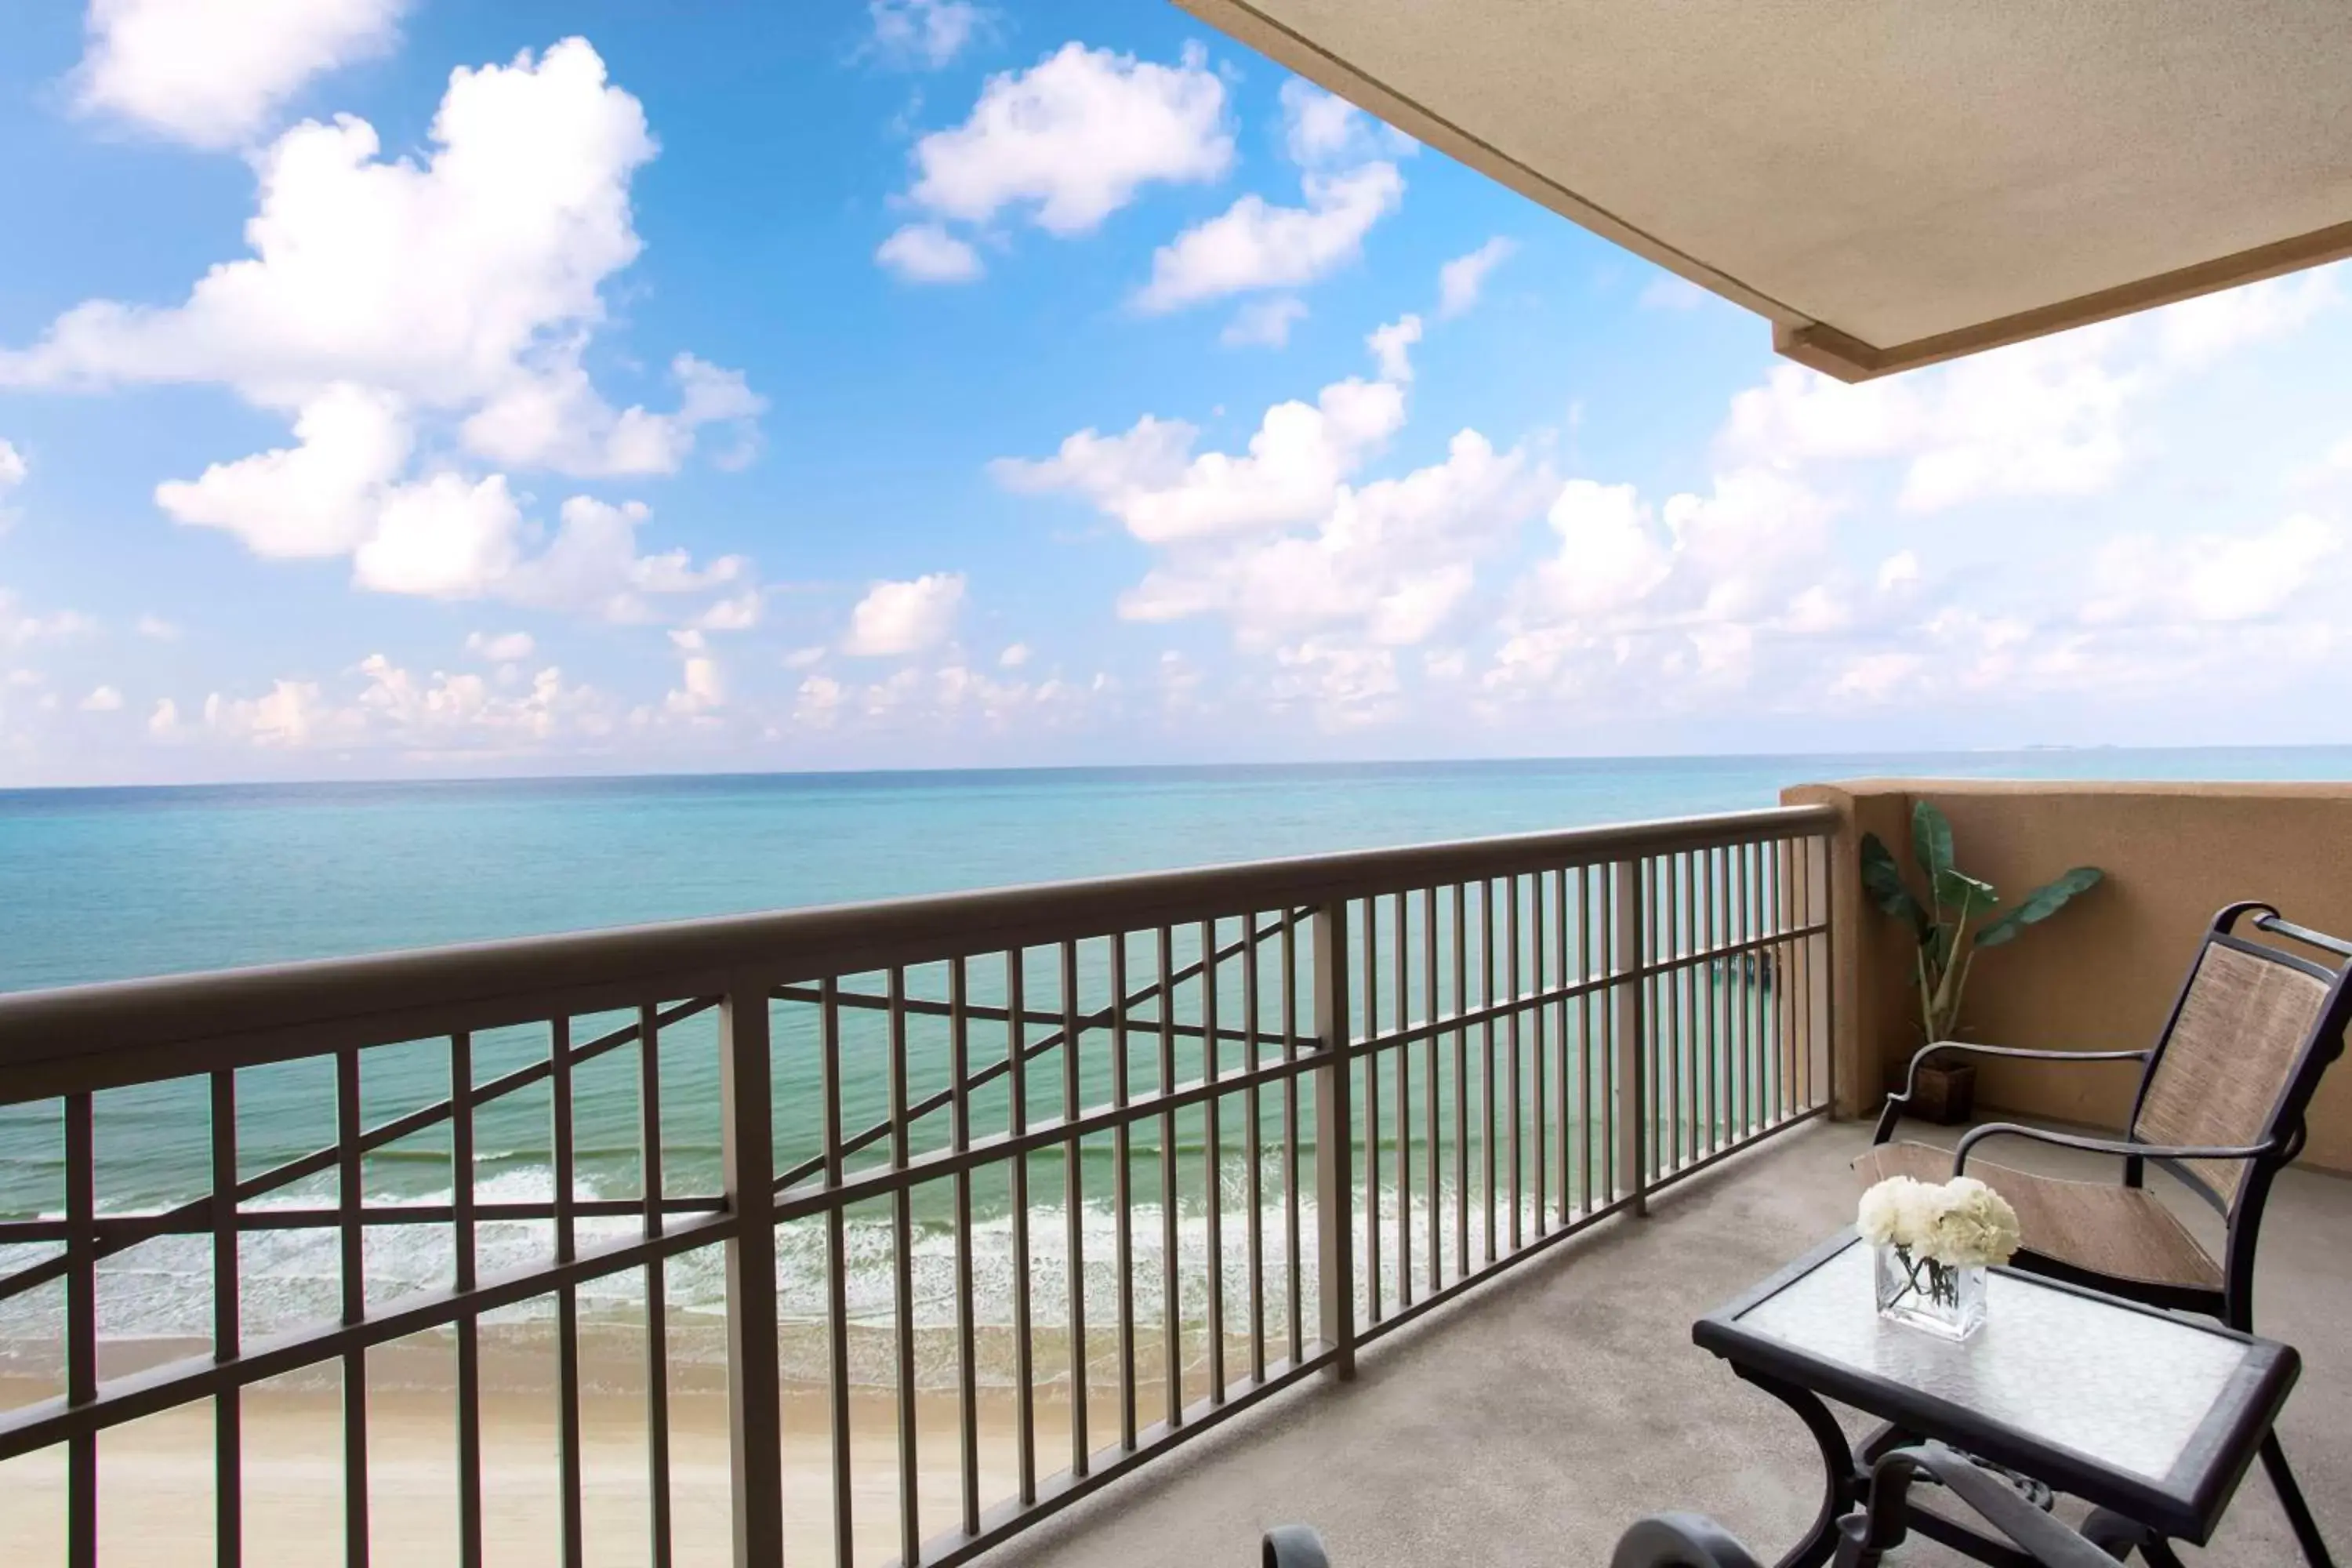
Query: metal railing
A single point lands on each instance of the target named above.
(1041, 1182)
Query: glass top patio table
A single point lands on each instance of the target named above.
(2151, 1414)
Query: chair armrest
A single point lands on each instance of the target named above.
(1293, 1546)
(1679, 1540)
(1892, 1109)
(1885, 1518)
(2123, 1146)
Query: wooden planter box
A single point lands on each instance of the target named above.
(1945, 1094)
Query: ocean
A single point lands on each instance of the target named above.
(103, 884)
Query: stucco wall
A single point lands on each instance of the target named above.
(2102, 973)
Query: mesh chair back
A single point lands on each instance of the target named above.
(2229, 1063)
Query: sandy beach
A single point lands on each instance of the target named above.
(156, 1485)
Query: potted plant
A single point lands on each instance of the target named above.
(1942, 923)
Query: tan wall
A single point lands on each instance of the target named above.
(2102, 973)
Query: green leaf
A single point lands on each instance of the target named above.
(1964, 894)
(1931, 842)
(1883, 879)
(2039, 905)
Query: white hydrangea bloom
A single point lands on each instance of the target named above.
(1961, 1221)
(1881, 1219)
(1977, 1227)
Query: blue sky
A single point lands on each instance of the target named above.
(418, 388)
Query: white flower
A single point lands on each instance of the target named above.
(1961, 1223)
(1882, 1217)
(1977, 1227)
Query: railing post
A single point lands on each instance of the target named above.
(1335, 1222)
(746, 1159)
(1628, 960)
(1821, 964)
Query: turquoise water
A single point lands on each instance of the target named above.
(109, 884)
(105, 884)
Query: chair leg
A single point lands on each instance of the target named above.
(2298, 1512)
(2119, 1537)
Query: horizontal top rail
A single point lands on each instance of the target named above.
(84, 1037)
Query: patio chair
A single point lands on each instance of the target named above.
(2220, 1107)
(1863, 1536)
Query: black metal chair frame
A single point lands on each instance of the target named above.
(2283, 1140)
(1863, 1536)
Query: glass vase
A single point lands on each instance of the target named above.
(1944, 1298)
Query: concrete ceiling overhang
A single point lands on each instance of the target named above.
(1890, 185)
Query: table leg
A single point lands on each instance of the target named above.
(1840, 1488)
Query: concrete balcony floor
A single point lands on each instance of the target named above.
(1531, 1421)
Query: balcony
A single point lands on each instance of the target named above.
(840, 1235)
(1530, 1423)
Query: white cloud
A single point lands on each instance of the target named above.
(2040, 418)
(2210, 576)
(1320, 129)
(2196, 332)
(1670, 292)
(1460, 280)
(931, 700)
(103, 700)
(554, 419)
(1014, 656)
(1255, 245)
(1350, 183)
(384, 295)
(1798, 417)
(806, 657)
(211, 71)
(19, 628)
(2046, 417)
(738, 613)
(1072, 139)
(924, 35)
(501, 648)
(1611, 555)
(445, 536)
(700, 688)
(904, 617)
(1282, 541)
(158, 628)
(443, 712)
(320, 497)
(291, 714)
(442, 538)
(928, 253)
(1665, 605)
(1390, 346)
(1387, 564)
(2037, 418)
(439, 281)
(1347, 688)
(818, 701)
(1264, 323)
(1878, 678)
(591, 564)
(1149, 480)
(389, 707)
(13, 469)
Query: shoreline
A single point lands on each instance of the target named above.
(156, 1496)
(156, 1499)
(519, 1358)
